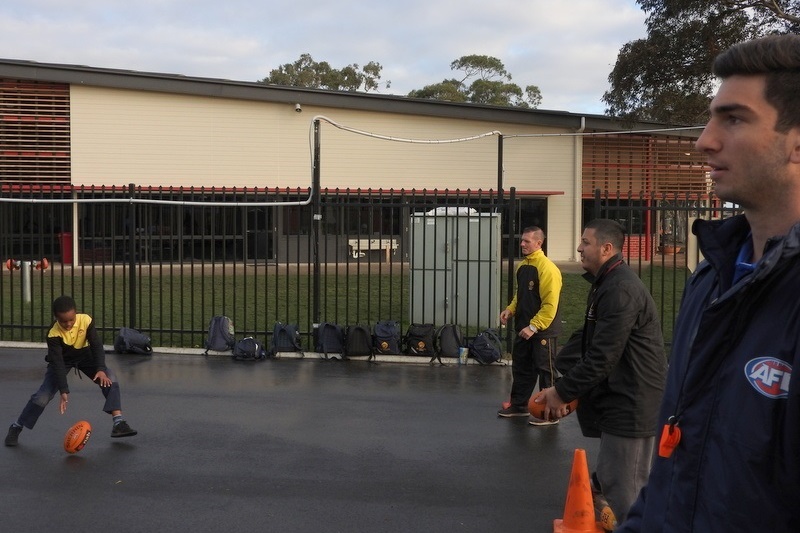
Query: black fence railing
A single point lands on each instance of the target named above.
(166, 260)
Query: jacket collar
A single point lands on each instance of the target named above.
(721, 240)
(534, 254)
(613, 262)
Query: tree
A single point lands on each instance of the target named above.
(305, 72)
(492, 85)
(666, 76)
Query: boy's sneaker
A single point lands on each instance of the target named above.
(508, 412)
(539, 422)
(122, 429)
(13, 435)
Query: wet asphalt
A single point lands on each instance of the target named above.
(283, 445)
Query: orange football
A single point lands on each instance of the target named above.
(537, 409)
(77, 436)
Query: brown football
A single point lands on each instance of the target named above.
(537, 409)
(77, 436)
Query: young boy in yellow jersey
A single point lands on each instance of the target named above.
(72, 342)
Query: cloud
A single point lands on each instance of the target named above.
(566, 49)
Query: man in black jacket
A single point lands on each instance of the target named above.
(620, 372)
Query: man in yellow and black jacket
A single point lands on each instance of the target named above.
(537, 323)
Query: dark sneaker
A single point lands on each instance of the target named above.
(508, 412)
(122, 429)
(539, 422)
(13, 435)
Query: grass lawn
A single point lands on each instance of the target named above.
(174, 307)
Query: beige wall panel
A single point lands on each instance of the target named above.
(121, 137)
(561, 235)
(158, 139)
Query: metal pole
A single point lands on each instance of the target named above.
(25, 266)
(317, 225)
(131, 260)
(499, 169)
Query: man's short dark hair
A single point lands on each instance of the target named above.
(533, 229)
(62, 304)
(777, 57)
(607, 230)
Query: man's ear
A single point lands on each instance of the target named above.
(794, 145)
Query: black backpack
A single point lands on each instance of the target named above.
(220, 334)
(330, 339)
(285, 338)
(419, 340)
(248, 349)
(131, 341)
(358, 341)
(486, 348)
(386, 337)
(449, 340)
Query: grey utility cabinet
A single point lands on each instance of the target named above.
(455, 267)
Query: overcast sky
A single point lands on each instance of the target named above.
(566, 48)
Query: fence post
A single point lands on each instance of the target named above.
(131, 259)
(512, 237)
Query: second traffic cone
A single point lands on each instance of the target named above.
(579, 508)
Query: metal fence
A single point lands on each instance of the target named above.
(166, 260)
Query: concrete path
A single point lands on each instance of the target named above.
(283, 446)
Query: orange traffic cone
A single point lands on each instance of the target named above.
(579, 508)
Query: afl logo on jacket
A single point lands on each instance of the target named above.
(769, 376)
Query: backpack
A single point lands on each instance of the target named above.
(220, 334)
(386, 337)
(448, 340)
(285, 338)
(419, 340)
(131, 341)
(358, 341)
(486, 348)
(330, 339)
(248, 349)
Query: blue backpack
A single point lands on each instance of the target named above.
(486, 348)
(132, 341)
(220, 334)
(248, 349)
(449, 340)
(285, 338)
(386, 337)
(330, 339)
(358, 341)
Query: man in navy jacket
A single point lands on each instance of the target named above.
(729, 453)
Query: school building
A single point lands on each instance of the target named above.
(65, 129)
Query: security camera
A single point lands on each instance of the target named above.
(298, 108)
